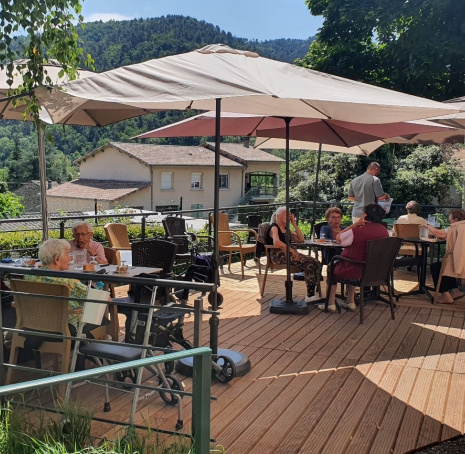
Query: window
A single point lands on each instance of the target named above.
(224, 181)
(196, 180)
(166, 180)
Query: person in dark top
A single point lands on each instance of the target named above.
(331, 231)
(276, 236)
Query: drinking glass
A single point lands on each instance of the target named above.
(431, 219)
(323, 236)
(15, 256)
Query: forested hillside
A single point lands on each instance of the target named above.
(114, 44)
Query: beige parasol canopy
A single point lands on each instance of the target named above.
(245, 83)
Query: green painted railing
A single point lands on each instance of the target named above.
(200, 392)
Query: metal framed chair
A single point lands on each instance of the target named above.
(377, 270)
(253, 221)
(274, 266)
(117, 236)
(230, 241)
(35, 312)
(176, 232)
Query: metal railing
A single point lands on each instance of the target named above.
(201, 416)
(200, 392)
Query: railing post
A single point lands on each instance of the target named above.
(62, 229)
(142, 228)
(201, 402)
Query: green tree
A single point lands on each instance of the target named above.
(10, 205)
(412, 46)
(51, 32)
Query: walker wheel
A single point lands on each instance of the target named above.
(219, 299)
(226, 369)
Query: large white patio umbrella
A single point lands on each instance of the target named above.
(52, 70)
(218, 77)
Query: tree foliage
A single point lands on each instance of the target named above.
(425, 174)
(10, 205)
(51, 33)
(412, 46)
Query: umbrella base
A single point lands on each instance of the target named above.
(185, 366)
(294, 307)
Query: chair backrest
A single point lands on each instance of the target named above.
(262, 229)
(39, 313)
(380, 258)
(406, 230)
(112, 255)
(154, 253)
(317, 228)
(117, 235)
(253, 221)
(224, 239)
(175, 226)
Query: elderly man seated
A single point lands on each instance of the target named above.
(413, 208)
(82, 233)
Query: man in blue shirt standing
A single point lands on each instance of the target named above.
(366, 189)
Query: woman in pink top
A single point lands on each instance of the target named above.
(354, 239)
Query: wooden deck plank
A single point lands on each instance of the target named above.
(322, 382)
(454, 411)
(414, 413)
(432, 422)
(370, 424)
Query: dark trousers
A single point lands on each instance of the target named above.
(447, 282)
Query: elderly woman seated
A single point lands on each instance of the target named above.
(331, 231)
(275, 236)
(354, 239)
(413, 208)
(448, 288)
(54, 255)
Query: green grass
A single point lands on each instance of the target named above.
(27, 432)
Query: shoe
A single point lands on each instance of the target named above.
(348, 306)
(445, 298)
(312, 299)
(456, 294)
(331, 308)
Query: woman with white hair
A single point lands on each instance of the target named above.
(54, 255)
(276, 236)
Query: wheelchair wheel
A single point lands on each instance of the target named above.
(175, 384)
(169, 367)
(219, 298)
(224, 370)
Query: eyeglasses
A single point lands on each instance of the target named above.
(81, 234)
(335, 217)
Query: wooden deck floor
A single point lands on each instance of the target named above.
(323, 383)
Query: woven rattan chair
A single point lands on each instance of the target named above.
(377, 270)
(253, 221)
(117, 236)
(36, 313)
(226, 238)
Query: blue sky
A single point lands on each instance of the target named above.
(252, 19)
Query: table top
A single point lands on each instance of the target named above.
(425, 240)
(311, 243)
(110, 269)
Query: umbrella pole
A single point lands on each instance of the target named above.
(289, 306)
(315, 189)
(241, 361)
(43, 181)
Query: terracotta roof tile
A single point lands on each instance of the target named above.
(248, 154)
(97, 189)
(166, 155)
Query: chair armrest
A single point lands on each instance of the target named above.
(340, 258)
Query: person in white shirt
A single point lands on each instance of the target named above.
(413, 208)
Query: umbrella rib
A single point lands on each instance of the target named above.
(318, 110)
(336, 133)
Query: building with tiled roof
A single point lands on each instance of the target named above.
(162, 177)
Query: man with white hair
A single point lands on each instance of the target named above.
(82, 234)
